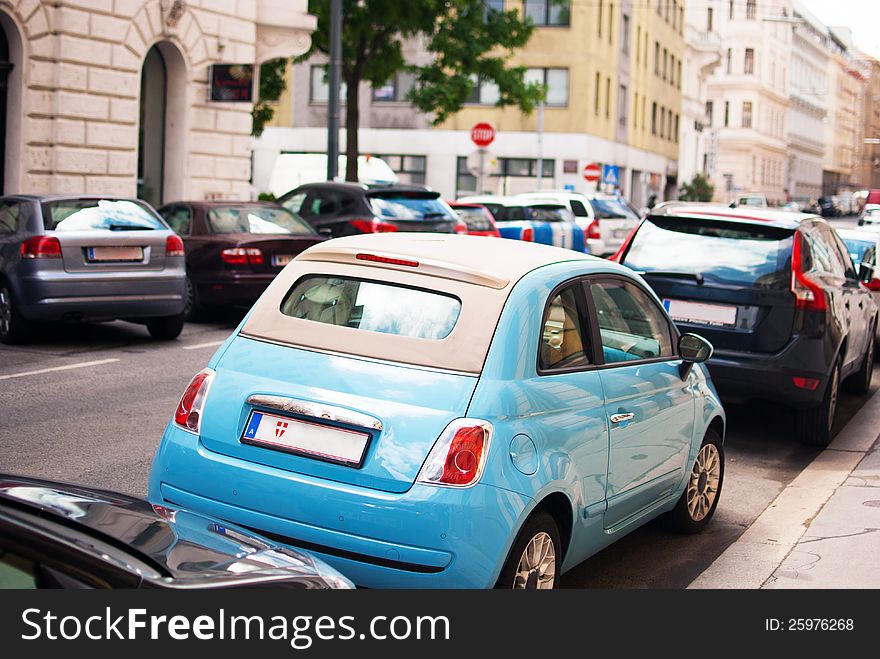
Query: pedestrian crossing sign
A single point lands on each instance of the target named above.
(610, 174)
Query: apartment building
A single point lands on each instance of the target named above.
(870, 161)
(111, 96)
(613, 73)
(703, 54)
(749, 98)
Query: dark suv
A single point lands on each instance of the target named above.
(344, 209)
(777, 295)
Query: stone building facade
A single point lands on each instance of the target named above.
(111, 96)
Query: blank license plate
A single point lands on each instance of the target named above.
(281, 259)
(701, 313)
(312, 440)
(115, 254)
(621, 233)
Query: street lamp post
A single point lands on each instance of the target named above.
(334, 75)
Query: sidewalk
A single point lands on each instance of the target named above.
(823, 530)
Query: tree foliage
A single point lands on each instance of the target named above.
(699, 189)
(466, 41)
(272, 85)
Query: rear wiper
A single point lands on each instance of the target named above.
(128, 227)
(431, 216)
(696, 276)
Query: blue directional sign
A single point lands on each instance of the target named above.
(610, 174)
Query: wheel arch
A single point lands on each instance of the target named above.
(559, 507)
(717, 424)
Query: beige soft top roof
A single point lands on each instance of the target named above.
(478, 270)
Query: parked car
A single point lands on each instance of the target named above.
(607, 219)
(234, 248)
(54, 535)
(753, 199)
(870, 215)
(478, 219)
(827, 207)
(862, 245)
(345, 209)
(424, 412)
(533, 220)
(291, 170)
(778, 296)
(74, 258)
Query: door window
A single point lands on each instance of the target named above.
(562, 345)
(578, 209)
(631, 325)
(8, 217)
(824, 257)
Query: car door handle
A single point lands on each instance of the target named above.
(620, 418)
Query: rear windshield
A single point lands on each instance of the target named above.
(99, 215)
(721, 251)
(857, 248)
(408, 207)
(256, 219)
(528, 213)
(474, 218)
(610, 209)
(373, 306)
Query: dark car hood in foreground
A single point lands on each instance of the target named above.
(192, 550)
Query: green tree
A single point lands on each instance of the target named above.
(272, 85)
(699, 189)
(467, 42)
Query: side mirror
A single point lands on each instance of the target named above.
(866, 272)
(693, 349)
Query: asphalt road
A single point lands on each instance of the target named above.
(97, 419)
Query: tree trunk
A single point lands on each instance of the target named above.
(352, 119)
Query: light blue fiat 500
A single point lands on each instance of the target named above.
(435, 411)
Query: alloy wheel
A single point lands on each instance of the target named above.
(5, 311)
(537, 565)
(703, 484)
(835, 393)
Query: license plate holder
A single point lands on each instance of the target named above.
(281, 260)
(701, 313)
(305, 438)
(114, 254)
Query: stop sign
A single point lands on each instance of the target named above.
(591, 172)
(482, 134)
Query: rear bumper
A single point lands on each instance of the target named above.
(232, 288)
(55, 296)
(427, 537)
(745, 375)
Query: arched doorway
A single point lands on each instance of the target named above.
(161, 133)
(10, 104)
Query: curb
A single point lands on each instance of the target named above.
(751, 561)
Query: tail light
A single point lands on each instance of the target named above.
(374, 225)
(873, 285)
(528, 234)
(810, 384)
(808, 295)
(174, 246)
(593, 230)
(618, 255)
(242, 256)
(461, 227)
(459, 456)
(41, 247)
(189, 410)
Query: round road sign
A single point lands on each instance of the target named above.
(482, 134)
(591, 172)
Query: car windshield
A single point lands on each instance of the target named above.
(411, 207)
(373, 306)
(99, 215)
(611, 209)
(256, 219)
(474, 218)
(722, 251)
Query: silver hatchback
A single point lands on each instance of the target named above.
(75, 258)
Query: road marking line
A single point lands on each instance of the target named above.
(58, 368)
(210, 344)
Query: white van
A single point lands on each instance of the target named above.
(292, 170)
(606, 218)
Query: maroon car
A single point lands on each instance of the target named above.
(234, 248)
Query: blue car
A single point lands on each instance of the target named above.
(421, 411)
(546, 221)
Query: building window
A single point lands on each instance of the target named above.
(672, 70)
(465, 182)
(654, 118)
(610, 21)
(490, 6)
(622, 101)
(525, 167)
(636, 111)
(548, 12)
(669, 125)
(599, 22)
(665, 62)
(730, 60)
(674, 14)
(709, 19)
(319, 87)
(676, 128)
(598, 83)
(749, 63)
(678, 76)
(643, 113)
(726, 113)
(484, 92)
(730, 14)
(410, 169)
(555, 82)
(657, 58)
(710, 111)
(662, 122)
(624, 35)
(638, 43)
(396, 89)
(681, 20)
(747, 114)
(607, 98)
(751, 9)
